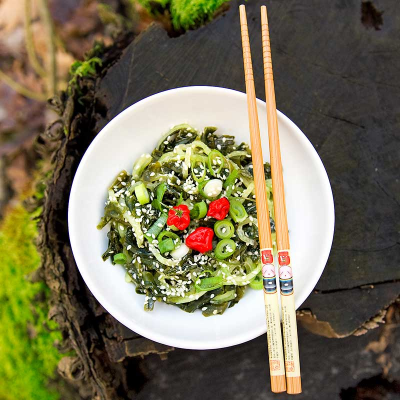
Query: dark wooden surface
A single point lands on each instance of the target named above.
(338, 81)
(101, 352)
(329, 368)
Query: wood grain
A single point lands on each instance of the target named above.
(275, 351)
(264, 228)
(289, 325)
(342, 96)
(342, 90)
(282, 231)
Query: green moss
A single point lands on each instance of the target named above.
(185, 14)
(192, 13)
(83, 68)
(28, 357)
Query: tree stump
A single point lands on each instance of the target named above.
(336, 76)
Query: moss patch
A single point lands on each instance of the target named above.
(28, 357)
(185, 14)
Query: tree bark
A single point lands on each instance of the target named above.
(331, 84)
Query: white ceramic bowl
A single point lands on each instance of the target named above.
(135, 131)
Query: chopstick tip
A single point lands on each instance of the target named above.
(242, 13)
(264, 18)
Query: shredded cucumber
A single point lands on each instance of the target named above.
(140, 165)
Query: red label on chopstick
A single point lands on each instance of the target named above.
(267, 256)
(283, 257)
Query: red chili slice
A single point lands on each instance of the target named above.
(219, 209)
(200, 239)
(179, 216)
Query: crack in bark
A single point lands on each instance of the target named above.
(367, 250)
(311, 322)
(361, 287)
(391, 197)
(129, 79)
(338, 118)
(343, 120)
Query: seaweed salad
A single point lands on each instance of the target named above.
(184, 222)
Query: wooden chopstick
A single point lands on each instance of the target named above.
(275, 351)
(290, 340)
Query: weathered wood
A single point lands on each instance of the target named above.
(329, 367)
(102, 346)
(342, 310)
(338, 81)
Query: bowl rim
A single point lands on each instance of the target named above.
(185, 343)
